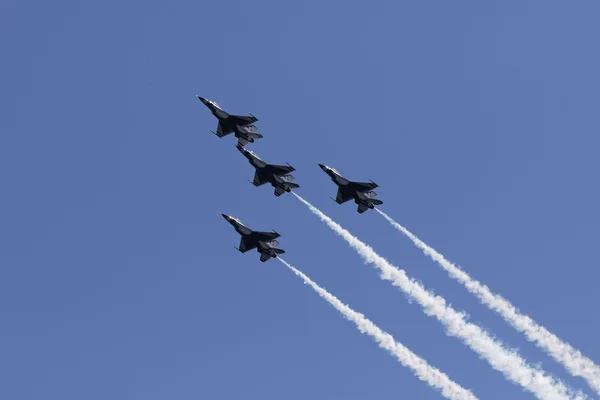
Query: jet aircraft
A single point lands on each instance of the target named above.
(277, 175)
(240, 125)
(263, 242)
(361, 192)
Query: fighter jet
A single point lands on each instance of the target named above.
(277, 175)
(361, 192)
(263, 242)
(238, 124)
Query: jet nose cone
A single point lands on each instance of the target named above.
(226, 216)
(202, 99)
(323, 167)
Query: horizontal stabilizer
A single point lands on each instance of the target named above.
(293, 185)
(251, 131)
(272, 243)
(279, 251)
(376, 202)
(247, 128)
(279, 191)
(287, 178)
(362, 207)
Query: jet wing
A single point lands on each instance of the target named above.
(265, 236)
(223, 132)
(258, 179)
(280, 169)
(363, 186)
(343, 196)
(243, 120)
(246, 245)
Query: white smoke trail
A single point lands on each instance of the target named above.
(575, 362)
(509, 362)
(432, 376)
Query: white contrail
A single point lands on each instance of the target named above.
(509, 362)
(575, 362)
(432, 376)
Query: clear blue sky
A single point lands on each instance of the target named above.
(117, 274)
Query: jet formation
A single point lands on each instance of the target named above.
(280, 179)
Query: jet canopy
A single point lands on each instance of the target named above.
(253, 154)
(214, 103)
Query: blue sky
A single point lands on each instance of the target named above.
(118, 278)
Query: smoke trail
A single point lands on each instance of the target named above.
(506, 361)
(575, 362)
(432, 376)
